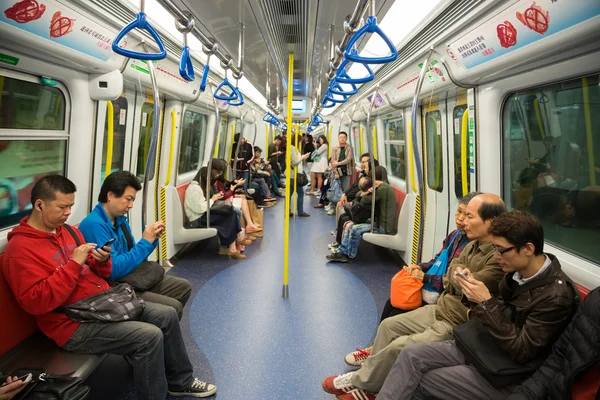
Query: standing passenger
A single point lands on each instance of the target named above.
(343, 159)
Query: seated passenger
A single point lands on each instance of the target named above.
(535, 304)
(432, 323)
(574, 355)
(226, 221)
(109, 220)
(260, 169)
(242, 160)
(385, 221)
(46, 269)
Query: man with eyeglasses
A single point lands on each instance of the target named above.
(535, 304)
(431, 323)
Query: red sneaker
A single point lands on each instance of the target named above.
(356, 394)
(338, 384)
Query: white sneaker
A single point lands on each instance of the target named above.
(331, 212)
(333, 233)
(357, 358)
(317, 193)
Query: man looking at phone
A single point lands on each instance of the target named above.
(108, 220)
(541, 300)
(431, 323)
(46, 269)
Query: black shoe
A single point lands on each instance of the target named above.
(338, 257)
(303, 214)
(196, 389)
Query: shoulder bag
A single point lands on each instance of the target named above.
(222, 208)
(358, 213)
(301, 179)
(45, 386)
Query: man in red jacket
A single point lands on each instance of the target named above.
(46, 269)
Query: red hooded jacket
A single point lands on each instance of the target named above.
(39, 270)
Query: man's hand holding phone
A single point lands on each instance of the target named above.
(102, 253)
(475, 290)
(154, 231)
(13, 385)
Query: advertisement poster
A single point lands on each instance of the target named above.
(523, 23)
(59, 24)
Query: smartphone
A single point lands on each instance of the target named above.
(25, 378)
(462, 276)
(110, 241)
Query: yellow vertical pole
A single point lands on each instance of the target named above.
(216, 152)
(288, 161)
(374, 141)
(110, 118)
(329, 140)
(463, 153)
(588, 131)
(267, 141)
(360, 139)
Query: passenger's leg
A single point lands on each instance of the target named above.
(313, 183)
(244, 175)
(418, 326)
(350, 243)
(300, 199)
(170, 291)
(390, 311)
(246, 213)
(319, 180)
(340, 227)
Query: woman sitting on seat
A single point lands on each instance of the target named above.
(225, 220)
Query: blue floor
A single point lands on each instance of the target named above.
(254, 344)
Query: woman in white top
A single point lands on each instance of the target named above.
(320, 165)
(297, 161)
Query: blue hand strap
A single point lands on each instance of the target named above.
(186, 68)
(140, 23)
(232, 96)
(240, 98)
(329, 97)
(327, 103)
(336, 88)
(271, 119)
(370, 27)
(318, 119)
(204, 77)
(342, 76)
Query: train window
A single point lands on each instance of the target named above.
(22, 163)
(193, 138)
(460, 133)
(551, 161)
(223, 136)
(145, 137)
(30, 105)
(394, 147)
(119, 119)
(435, 158)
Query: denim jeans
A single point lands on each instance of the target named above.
(351, 238)
(153, 343)
(243, 175)
(299, 200)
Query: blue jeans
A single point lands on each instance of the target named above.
(243, 175)
(154, 344)
(299, 200)
(351, 237)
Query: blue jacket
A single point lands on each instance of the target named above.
(97, 228)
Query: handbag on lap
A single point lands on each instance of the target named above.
(405, 291)
(430, 295)
(45, 386)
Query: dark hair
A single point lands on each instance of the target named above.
(368, 183)
(343, 133)
(324, 139)
(365, 155)
(381, 174)
(257, 149)
(519, 228)
(116, 183)
(466, 199)
(278, 137)
(45, 189)
(491, 210)
(236, 138)
(201, 179)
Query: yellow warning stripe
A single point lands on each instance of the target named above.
(163, 218)
(415, 241)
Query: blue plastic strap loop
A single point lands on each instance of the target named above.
(240, 99)
(186, 68)
(140, 23)
(318, 118)
(326, 103)
(232, 96)
(336, 88)
(342, 76)
(330, 97)
(204, 77)
(370, 27)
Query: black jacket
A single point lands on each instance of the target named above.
(573, 353)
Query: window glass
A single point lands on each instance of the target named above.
(22, 163)
(435, 160)
(119, 125)
(223, 135)
(29, 105)
(394, 147)
(193, 139)
(145, 138)
(551, 161)
(461, 133)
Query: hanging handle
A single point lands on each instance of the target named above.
(342, 76)
(186, 68)
(370, 27)
(204, 77)
(140, 23)
(327, 103)
(232, 96)
(336, 88)
(239, 97)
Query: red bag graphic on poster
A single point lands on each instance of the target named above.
(25, 11)
(535, 18)
(507, 34)
(60, 26)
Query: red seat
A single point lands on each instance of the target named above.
(400, 195)
(181, 192)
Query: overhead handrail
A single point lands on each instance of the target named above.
(370, 27)
(141, 23)
(342, 75)
(110, 133)
(171, 147)
(372, 157)
(186, 67)
(238, 75)
(335, 87)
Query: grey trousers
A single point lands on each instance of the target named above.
(437, 370)
(170, 291)
(153, 343)
(394, 333)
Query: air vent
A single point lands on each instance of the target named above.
(287, 7)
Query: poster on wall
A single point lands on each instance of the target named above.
(521, 24)
(59, 24)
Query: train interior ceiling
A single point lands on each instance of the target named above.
(450, 96)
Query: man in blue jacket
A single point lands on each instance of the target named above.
(108, 220)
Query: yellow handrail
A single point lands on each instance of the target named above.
(172, 147)
(110, 119)
(588, 131)
(329, 145)
(464, 152)
(375, 141)
(538, 115)
(216, 152)
(360, 139)
(288, 161)
(267, 141)
(231, 144)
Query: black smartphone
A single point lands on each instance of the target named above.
(25, 378)
(110, 241)
(462, 276)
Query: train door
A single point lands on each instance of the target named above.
(437, 190)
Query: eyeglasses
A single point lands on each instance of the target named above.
(503, 251)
